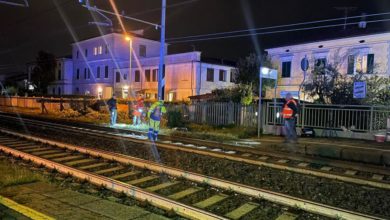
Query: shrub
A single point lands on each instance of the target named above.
(175, 119)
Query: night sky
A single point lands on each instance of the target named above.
(25, 31)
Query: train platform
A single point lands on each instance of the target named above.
(44, 201)
(364, 151)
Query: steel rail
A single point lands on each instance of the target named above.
(306, 205)
(117, 186)
(237, 158)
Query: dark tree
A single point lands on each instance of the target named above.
(249, 70)
(44, 71)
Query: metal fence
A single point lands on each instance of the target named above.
(222, 113)
(337, 117)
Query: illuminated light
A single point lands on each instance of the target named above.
(265, 70)
(100, 89)
(256, 113)
(278, 115)
(128, 38)
(125, 87)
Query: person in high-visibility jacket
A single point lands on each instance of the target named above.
(289, 112)
(154, 114)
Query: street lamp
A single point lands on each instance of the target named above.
(266, 73)
(128, 38)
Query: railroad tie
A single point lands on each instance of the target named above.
(11, 142)
(283, 161)
(143, 180)
(185, 193)
(23, 144)
(42, 153)
(263, 158)
(50, 156)
(77, 162)
(303, 164)
(162, 186)
(109, 170)
(287, 216)
(36, 149)
(96, 165)
(378, 177)
(62, 159)
(242, 210)
(25, 147)
(124, 175)
(211, 201)
(351, 172)
(326, 168)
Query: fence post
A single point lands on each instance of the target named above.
(204, 112)
(371, 117)
(230, 112)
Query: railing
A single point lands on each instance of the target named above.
(223, 113)
(337, 117)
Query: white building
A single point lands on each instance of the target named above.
(351, 55)
(63, 77)
(101, 66)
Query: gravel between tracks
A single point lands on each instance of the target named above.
(335, 193)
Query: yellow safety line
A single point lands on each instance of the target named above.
(26, 211)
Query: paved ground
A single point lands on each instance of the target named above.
(61, 203)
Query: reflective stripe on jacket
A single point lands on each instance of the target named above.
(287, 111)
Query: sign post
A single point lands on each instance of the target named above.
(265, 73)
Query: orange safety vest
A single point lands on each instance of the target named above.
(287, 111)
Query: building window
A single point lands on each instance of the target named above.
(233, 75)
(286, 69)
(106, 72)
(89, 73)
(370, 63)
(125, 76)
(142, 50)
(106, 49)
(77, 90)
(86, 52)
(98, 72)
(147, 75)
(53, 91)
(118, 77)
(78, 74)
(351, 64)
(85, 73)
(210, 74)
(320, 63)
(137, 76)
(155, 74)
(59, 74)
(222, 75)
(59, 90)
(77, 54)
(98, 50)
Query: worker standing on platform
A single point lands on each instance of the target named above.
(112, 106)
(138, 111)
(290, 111)
(154, 115)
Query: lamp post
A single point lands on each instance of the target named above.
(266, 73)
(128, 38)
(161, 69)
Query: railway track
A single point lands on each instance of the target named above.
(356, 173)
(189, 194)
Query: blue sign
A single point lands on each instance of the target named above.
(304, 64)
(294, 94)
(359, 90)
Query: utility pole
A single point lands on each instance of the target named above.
(161, 68)
(346, 11)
